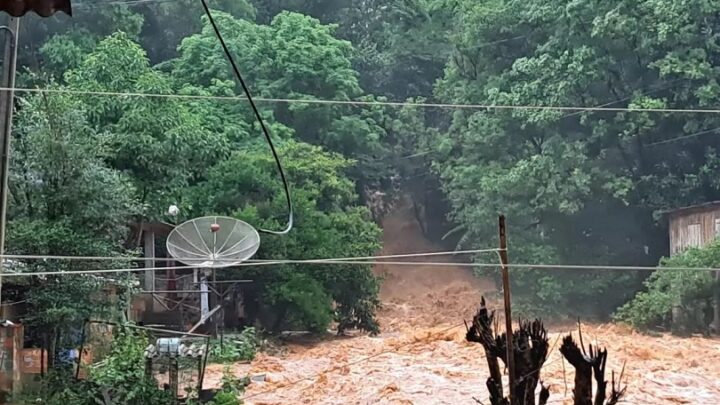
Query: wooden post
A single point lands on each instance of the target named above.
(7, 79)
(216, 300)
(149, 284)
(171, 284)
(716, 309)
(502, 232)
(149, 369)
(18, 343)
(80, 353)
(173, 378)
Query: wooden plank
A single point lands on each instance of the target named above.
(31, 362)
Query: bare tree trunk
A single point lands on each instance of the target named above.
(530, 348)
(586, 366)
(582, 392)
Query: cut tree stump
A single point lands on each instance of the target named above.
(588, 365)
(530, 350)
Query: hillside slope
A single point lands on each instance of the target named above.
(423, 295)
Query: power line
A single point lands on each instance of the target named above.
(489, 107)
(258, 118)
(699, 133)
(629, 97)
(524, 266)
(88, 5)
(164, 259)
(92, 272)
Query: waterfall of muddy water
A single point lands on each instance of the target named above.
(424, 296)
(428, 364)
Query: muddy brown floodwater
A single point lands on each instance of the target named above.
(422, 357)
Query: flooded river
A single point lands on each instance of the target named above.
(422, 357)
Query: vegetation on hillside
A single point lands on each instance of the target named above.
(578, 186)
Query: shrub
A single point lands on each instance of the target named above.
(241, 348)
(686, 291)
(123, 371)
(120, 376)
(231, 388)
(303, 302)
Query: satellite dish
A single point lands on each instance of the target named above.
(213, 242)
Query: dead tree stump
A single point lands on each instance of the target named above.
(588, 365)
(530, 350)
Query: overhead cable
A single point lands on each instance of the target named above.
(260, 121)
(524, 266)
(163, 259)
(488, 107)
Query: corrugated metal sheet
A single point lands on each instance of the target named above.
(44, 8)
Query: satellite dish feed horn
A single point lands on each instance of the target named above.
(213, 242)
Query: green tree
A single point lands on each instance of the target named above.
(296, 57)
(578, 187)
(50, 46)
(66, 201)
(328, 224)
(161, 143)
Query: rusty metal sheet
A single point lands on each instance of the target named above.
(31, 361)
(44, 8)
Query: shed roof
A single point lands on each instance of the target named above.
(705, 205)
(159, 227)
(43, 8)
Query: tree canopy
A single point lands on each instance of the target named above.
(581, 183)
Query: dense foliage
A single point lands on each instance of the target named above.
(578, 186)
(88, 166)
(120, 377)
(235, 348)
(676, 299)
(66, 201)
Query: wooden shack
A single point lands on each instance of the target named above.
(696, 226)
(172, 295)
(693, 226)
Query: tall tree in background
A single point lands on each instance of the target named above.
(66, 201)
(295, 57)
(208, 157)
(159, 142)
(580, 186)
(329, 224)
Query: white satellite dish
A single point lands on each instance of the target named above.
(213, 242)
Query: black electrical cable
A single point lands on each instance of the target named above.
(259, 119)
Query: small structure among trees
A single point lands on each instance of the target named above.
(530, 351)
(696, 226)
(677, 297)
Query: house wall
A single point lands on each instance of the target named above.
(693, 228)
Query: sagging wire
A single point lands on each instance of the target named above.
(260, 120)
(164, 259)
(360, 103)
(522, 266)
